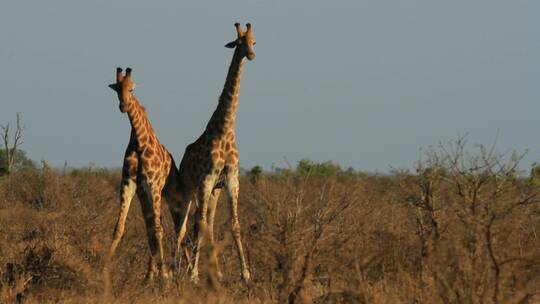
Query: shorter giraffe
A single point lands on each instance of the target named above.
(149, 170)
(212, 160)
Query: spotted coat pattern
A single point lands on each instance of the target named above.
(211, 163)
(148, 171)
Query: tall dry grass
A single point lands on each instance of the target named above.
(460, 229)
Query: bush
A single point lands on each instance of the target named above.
(534, 178)
(307, 167)
(462, 227)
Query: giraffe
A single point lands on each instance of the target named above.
(211, 163)
(150, 172)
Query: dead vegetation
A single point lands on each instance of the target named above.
(463, 228)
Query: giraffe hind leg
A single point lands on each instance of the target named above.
(158, 232)
(200, 231)
(179, 208)
(181, 233)
(212, 205)
(201, 223)
(173, 198)
(148, 214)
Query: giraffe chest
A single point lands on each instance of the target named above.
(225, 141)
(154, 163)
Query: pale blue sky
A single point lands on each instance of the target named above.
(363, 83)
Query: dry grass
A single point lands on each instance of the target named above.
(444, 234)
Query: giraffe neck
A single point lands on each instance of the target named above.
(224, 116)
(141, 129)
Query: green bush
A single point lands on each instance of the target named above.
(306, 167)
(534, 178)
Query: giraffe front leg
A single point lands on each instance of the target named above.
(126, 194)
(128, 187)
(127, 191)
(232, 191)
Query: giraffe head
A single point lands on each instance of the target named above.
(124, 88)
(244, 42)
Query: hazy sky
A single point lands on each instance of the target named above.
(363, 83)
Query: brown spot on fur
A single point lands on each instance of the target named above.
(132, 169)
(220, 163)
(148, 153)
(232, 157)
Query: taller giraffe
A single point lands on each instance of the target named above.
(149, 170)
(212, 160)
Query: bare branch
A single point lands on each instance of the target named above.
(18, 133)
(11, 152)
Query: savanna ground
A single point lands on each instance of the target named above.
(464, 227)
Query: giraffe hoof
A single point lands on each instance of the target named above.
(219, 276)
(165, 282)
(194, 279)
(150, 276)
(246, 276)
(165, 275)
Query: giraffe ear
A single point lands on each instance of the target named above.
(114, 86)
(232, 44)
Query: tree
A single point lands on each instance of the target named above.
(21, 162)
(9, 155)
(463, 203)
(534, 178)
(255, 173)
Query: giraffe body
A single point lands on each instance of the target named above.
(148, 171)
(212, 161)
